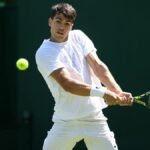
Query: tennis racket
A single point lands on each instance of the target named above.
(143, 99)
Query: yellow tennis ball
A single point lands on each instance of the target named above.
(22, 64)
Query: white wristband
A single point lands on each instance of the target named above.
(100, 91)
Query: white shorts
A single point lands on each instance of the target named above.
(96, 135)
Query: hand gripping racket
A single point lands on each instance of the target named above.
(143, 99)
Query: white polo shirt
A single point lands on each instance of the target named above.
(70, 55)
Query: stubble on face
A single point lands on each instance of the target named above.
(60, 28)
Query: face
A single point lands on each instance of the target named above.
(60, 28)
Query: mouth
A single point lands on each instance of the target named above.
(60, 33)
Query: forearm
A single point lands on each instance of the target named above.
(62, 76)
(103, 73)
(83, 89)
(107, 78)
(80, 88)
(76, 87)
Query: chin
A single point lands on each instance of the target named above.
(62, 39)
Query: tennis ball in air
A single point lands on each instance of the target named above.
(22, 64)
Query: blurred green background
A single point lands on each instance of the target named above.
(120, 30)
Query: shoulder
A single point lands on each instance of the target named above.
(77, 32)
(46, 51)
(77, 35)
(47, 47)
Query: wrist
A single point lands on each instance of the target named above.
(99, 92)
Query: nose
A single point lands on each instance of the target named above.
(62, 26)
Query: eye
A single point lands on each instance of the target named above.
(68, 23)
(58, 21)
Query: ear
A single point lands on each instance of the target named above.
(72, 26)
(49, 22)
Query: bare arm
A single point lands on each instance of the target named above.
(62, 76)
(111, 96)
(103, 73)
(114, 95)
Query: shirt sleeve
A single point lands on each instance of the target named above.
(86, 43)
(47, 62)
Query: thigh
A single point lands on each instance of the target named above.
(59, 143)
(60, 137)
(105, 142)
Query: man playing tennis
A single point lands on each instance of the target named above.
(73, 72)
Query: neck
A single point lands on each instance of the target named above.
(58, 40)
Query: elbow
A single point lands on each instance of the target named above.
(69, 89)
(67, 86)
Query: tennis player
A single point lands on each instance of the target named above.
(73, 72)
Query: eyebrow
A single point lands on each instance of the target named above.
(67, 20)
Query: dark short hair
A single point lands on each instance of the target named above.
(64, 8)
